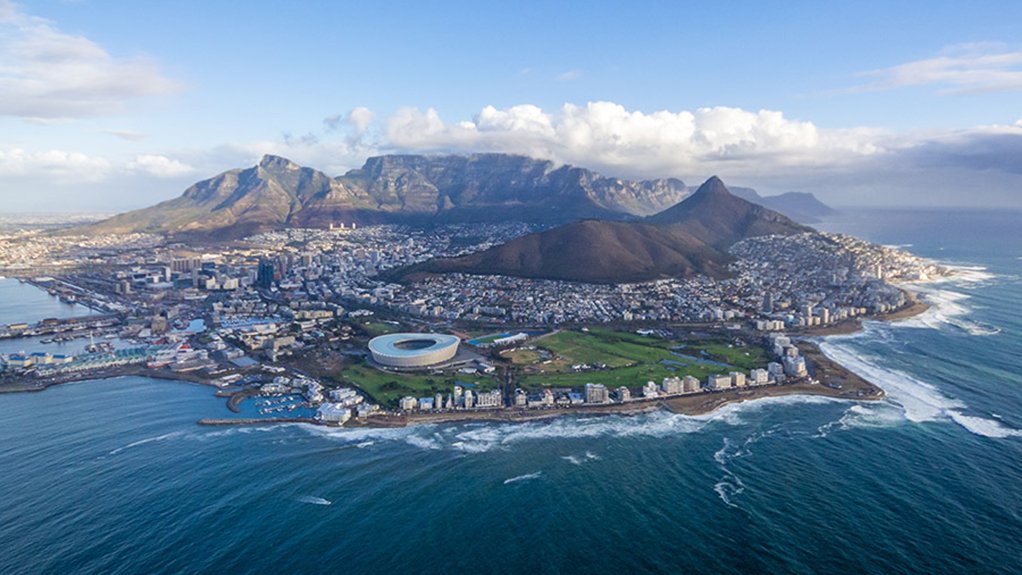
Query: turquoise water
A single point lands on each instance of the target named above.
(115, 477)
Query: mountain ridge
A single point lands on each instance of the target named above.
(688, 239)
(277, 192)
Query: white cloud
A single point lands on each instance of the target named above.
(360, 118)
(159, 166)
(47, 74)
(54, 166)
(606, 135)
(962, 69)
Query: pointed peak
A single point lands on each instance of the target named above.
(712, 186)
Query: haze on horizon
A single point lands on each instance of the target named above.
(115, 105)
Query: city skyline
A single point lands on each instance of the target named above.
(110, 106)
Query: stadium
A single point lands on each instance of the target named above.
(412, 350)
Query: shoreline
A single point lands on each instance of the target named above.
(835, 381)
(125, 371)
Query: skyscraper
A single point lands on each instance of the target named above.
(265, 277)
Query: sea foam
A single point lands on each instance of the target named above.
(947, 308)
(475, 438)
(918, 401)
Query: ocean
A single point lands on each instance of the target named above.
(114, 477)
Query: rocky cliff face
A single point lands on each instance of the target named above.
(481, 187)
(438, 184)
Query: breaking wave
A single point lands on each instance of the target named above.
(476, 438)
(947, 308)
(918, 401)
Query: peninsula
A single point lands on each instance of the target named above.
(270, 282)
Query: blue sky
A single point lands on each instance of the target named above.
(108, 105)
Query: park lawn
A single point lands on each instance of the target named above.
(748, 357)
(632, 359)
(375, 328)
(630, 337)
(388, 387)
(578, 347)
(522, 356)
(632, 377)
(615, 349)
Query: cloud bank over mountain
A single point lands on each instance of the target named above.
(79, 136)
(762, 149)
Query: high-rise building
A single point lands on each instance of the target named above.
(719, 382)
(264, 278)
(737, 379)
(690, 384)
(596, 393)
(624, 394)
(672, 385)
(650, 389)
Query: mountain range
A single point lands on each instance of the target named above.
(398, 189)
(278, 193)
(690, 238)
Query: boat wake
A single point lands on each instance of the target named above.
(526, 477)
(312, 500)
(164, 437)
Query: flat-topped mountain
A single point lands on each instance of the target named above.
(802, 207)
(401, 188)
(687, 239)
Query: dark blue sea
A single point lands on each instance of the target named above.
(114, 477)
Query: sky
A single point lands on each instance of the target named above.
(109, 105)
